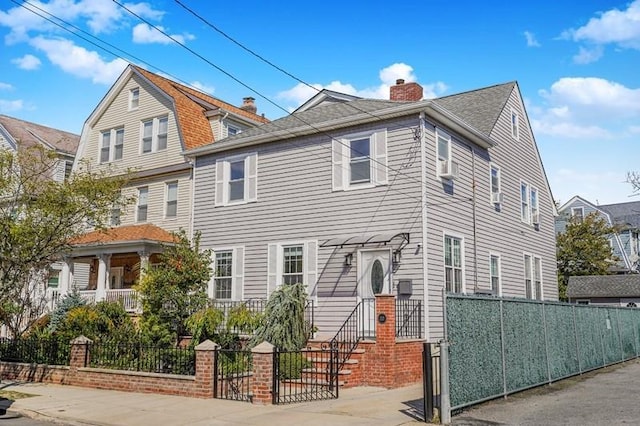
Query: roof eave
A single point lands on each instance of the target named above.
(339, 123)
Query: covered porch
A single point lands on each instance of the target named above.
(105, 265)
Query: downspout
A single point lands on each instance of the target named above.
(193, 196)
(475, 227)
(423, 201)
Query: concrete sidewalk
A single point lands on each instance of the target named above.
(82, 406)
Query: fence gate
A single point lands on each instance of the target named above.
(232, 372)
(305, 375)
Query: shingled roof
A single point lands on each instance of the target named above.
(123, 234)
(479, 108)
(604, 286)
(28, 134)
(194, 125)
(625, 214)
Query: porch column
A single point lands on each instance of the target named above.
(104, 263)
(65, 278)
(144, 263)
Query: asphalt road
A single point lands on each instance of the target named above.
(610, 396)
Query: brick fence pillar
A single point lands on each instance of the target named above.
(205, 358)
(79, 355)
(385, 340)
(262, 383)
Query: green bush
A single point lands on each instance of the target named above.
(291, 364)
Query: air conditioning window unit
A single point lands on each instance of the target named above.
(448, 169)
(497, 198)
(535, 218)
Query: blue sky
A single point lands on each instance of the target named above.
(577, 63)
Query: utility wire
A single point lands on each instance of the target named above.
(125, 53)
(258, 93)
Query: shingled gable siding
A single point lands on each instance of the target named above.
(565, 214)
(152, 104)
(500, 232)
(296, 203)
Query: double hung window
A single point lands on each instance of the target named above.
(154, 134)
(453, 264)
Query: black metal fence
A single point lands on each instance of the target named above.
(139, 357)
(35, 351)
(233, 372)
(409, 318)
(305, 375)
(431, 381)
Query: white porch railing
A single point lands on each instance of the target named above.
(53, 296)
(126, 296)
(89, 296)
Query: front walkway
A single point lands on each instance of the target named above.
(69, 404)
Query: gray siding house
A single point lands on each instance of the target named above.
(610, 290)
(624, 217)
(355, 197)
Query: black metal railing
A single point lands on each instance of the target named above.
(233, 372)
(430, 381)
(409, 318)
(305, 375)
(33, 350)
(255, 306)
(139, 357)
(359, 324)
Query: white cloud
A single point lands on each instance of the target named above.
(617, 27)
(100, 16)
(621, 27)
(531, 39)
(202, 87)
(588, 55)
(388, 76)
(5, 86)
(594, 97)
(585, 107)
(634, 130)
(145, 34)
(11, 106)
(27, 62)
(79, 61)
(568, 130)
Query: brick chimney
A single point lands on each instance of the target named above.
(249, 104)
(405, 91)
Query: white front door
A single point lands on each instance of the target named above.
(374, 277)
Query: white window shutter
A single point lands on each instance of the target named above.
(220, 183)
(311, 266)
(212, 281)
(338, 161)
(272, 268)
(251, 182)
(380, 157)
(237, 289)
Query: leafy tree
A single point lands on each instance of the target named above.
(583, 249)
(283, 324)
(176, 288)
(39, 218)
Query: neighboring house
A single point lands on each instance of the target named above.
(612, 290)
(143, 124)
(623, 217)
(355, 197)
(16, 134)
